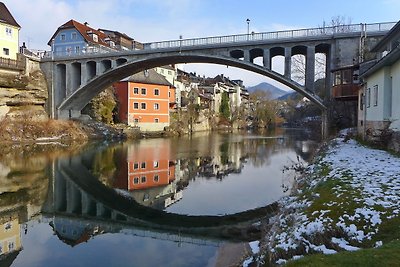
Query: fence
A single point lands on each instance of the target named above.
(277, 35)
(12, 64)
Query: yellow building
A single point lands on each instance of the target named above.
(9, 34)
(10, 236)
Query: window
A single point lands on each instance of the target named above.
(375, 95)
(10, 246)
(143, 91)
(73, 36)
(156, 106)
(7, 226)
(136, 120)
(368, 97)
(6, 51)
(156, 120)
(156, 164)
(136, 180)
(143, 165)
(169, 93)
(136, 91)
(143, 179)
(362, 101)
(156, 92)
(95, 38)
(136, 105)
(143, 105)
(156, 178)
(8, 31)
(136, 165)
(162, 71)
(169, 72)
(77, 49)
(62, 37)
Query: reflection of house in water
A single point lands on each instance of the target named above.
(150, 174)
(10, 237)
(72, 232)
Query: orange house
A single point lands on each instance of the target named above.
(152, 167)
(145, 100)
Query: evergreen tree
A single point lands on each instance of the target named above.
(224, 109)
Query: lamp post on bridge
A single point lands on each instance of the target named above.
(180, 43)
(248, 28)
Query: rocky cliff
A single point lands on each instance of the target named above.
(23, 95)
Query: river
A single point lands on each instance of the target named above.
(147, 202)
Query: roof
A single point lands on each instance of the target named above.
(84, 30)
(116, 33)
(387, 38)
(167, 67)
(387, 60)
(148, 77)
(6, 17)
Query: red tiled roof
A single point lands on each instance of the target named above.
(6, 17)
(84, 30)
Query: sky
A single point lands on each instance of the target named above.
(152, 20)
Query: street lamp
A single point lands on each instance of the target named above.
(248, 26)
(180, 43)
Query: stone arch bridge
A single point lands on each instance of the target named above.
(75, 78)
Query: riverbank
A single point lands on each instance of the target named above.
(25, 129)
(347, 200)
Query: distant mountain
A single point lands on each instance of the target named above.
(267, 87)
(292, 95)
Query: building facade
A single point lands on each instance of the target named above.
(76, 38)
(9, 34)
(145, 99)
(380, 92)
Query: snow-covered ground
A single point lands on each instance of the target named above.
(343, 200)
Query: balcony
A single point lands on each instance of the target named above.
(345, 92)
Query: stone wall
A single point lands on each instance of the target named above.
(380, 134)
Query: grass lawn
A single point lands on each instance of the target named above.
(386, 255)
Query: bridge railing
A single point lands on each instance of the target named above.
(238, 38)
(269, 36)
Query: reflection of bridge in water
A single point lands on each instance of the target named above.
(77, 197)
(74, 230)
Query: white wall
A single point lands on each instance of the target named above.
(395, 72)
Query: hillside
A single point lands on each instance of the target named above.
(274, 91)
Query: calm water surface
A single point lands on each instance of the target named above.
(115, 204)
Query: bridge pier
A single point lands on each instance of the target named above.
(68, 114)
(310, 68)
(267, 59)
(288, 62)
(324, 124)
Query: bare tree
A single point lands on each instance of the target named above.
(337, 24)
(299, 67)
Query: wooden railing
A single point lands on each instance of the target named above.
(8, 63)
(345, 91)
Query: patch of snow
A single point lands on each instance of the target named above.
(378, 244)
(297, 257)
(247, 262)
(324, 249)
(343, 244)
(281, 261)
(255, 246)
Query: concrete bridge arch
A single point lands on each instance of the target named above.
(84, 84)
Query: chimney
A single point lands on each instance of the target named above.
(86, 24)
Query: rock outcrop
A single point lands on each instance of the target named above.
(23, 95)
